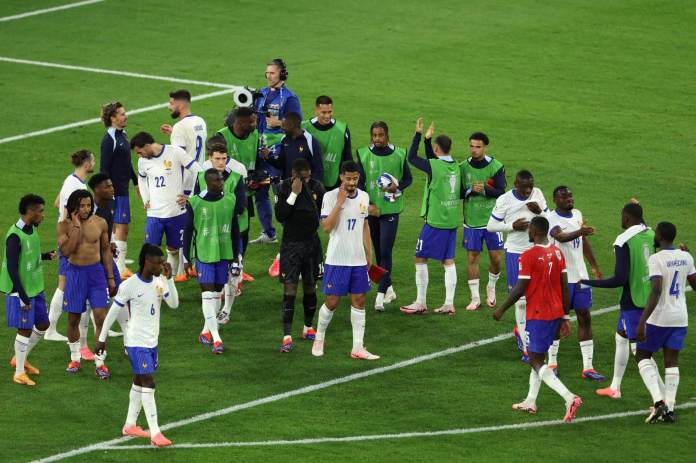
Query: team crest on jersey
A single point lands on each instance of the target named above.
(314, 196)
(363, 208)
(168, 164)
(558, 254)
(144, 365)
(300, 149)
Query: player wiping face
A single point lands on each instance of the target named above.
(349, 182)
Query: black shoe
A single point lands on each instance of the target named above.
(669, 418)
(657, 412)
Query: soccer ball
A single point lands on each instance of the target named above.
(386, 180)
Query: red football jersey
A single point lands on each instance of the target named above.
(542, 266)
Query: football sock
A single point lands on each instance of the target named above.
(633, 348)
(134, 405)
(492, 279)
(620, 361)
(36, 336)
(173, 260)
(659, 378)
(649, 374)
(379, 300)
(587, 350)
(325, 316)
(534, 385)
(99, 359)
(521, 320)
(20, 346)
(671, 385)
(122, 248)
(209, 306)
(84, 327)
(450, 283)
(148, 399)
(474, 289)
(288, 313)
(553, 352)
(309, 301)
(552, 381)
(74, 351)
(421, 282)
(357, 321)
(56, 308)
(230, 290)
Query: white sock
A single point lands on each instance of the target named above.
(553, 352)
(325, 316)
(21, 344)
(122, 247)
(230, 290)
(84, 327)
(180, 267)
(534, 385)
(671, 385)
(587, 350)
(210, 304)
(36, 336)
(492, 279)
(633, 348)
(450, 283)
(659, 378)
(421, 282)
(173, 260)
(649, 374)
(521, 320)
(357, 321)
(74, 351)
(56, 309)
(147, 397)
(552, 381)
(620, 361)
(99, 359)
(379, 300)
(134, 405)
(474, 289)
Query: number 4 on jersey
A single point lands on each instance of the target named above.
(674, 287)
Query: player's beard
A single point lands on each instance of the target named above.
(175, 114)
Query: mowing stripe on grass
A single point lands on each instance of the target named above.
(98, 120)
(296, 392)
(70, 67)
(403, 435)
(49, 10)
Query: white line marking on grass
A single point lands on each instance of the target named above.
(296, 392)
(49, 10)
(98, 120)
(70, 67)
(403, 435)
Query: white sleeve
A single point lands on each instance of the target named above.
(692, 269)
(171, 296)
(177, 137)
(496, 222)
(119, 303)
(189, 181)
(327, 205)
(143, 185)
(542, 204)
(654, 269)
(183, 157)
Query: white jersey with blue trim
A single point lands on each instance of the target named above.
(143, 299)
(190, 133)
(346, 239)
(164, 176)
(71, 184)
(509, 207)
(673, 266)
(572, 250)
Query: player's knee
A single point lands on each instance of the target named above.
(473, 257)
(642, 355)
(147, 381)
(357, 301)
(288, 303)
(42, 326)
(290, 289)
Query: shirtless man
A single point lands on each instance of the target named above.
(83, 238)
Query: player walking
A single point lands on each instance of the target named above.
(348, 257)
(142, 296)
(543, 280)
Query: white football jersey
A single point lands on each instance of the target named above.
(509, 208)
(572, 250)
(143, 299)
(71, 183)
(164, 175)
(190, 134)
(673, 265)
(346, 239)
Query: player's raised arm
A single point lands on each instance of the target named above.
(330, 210)
(69, 234)
(171, 295)
(418, 162)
